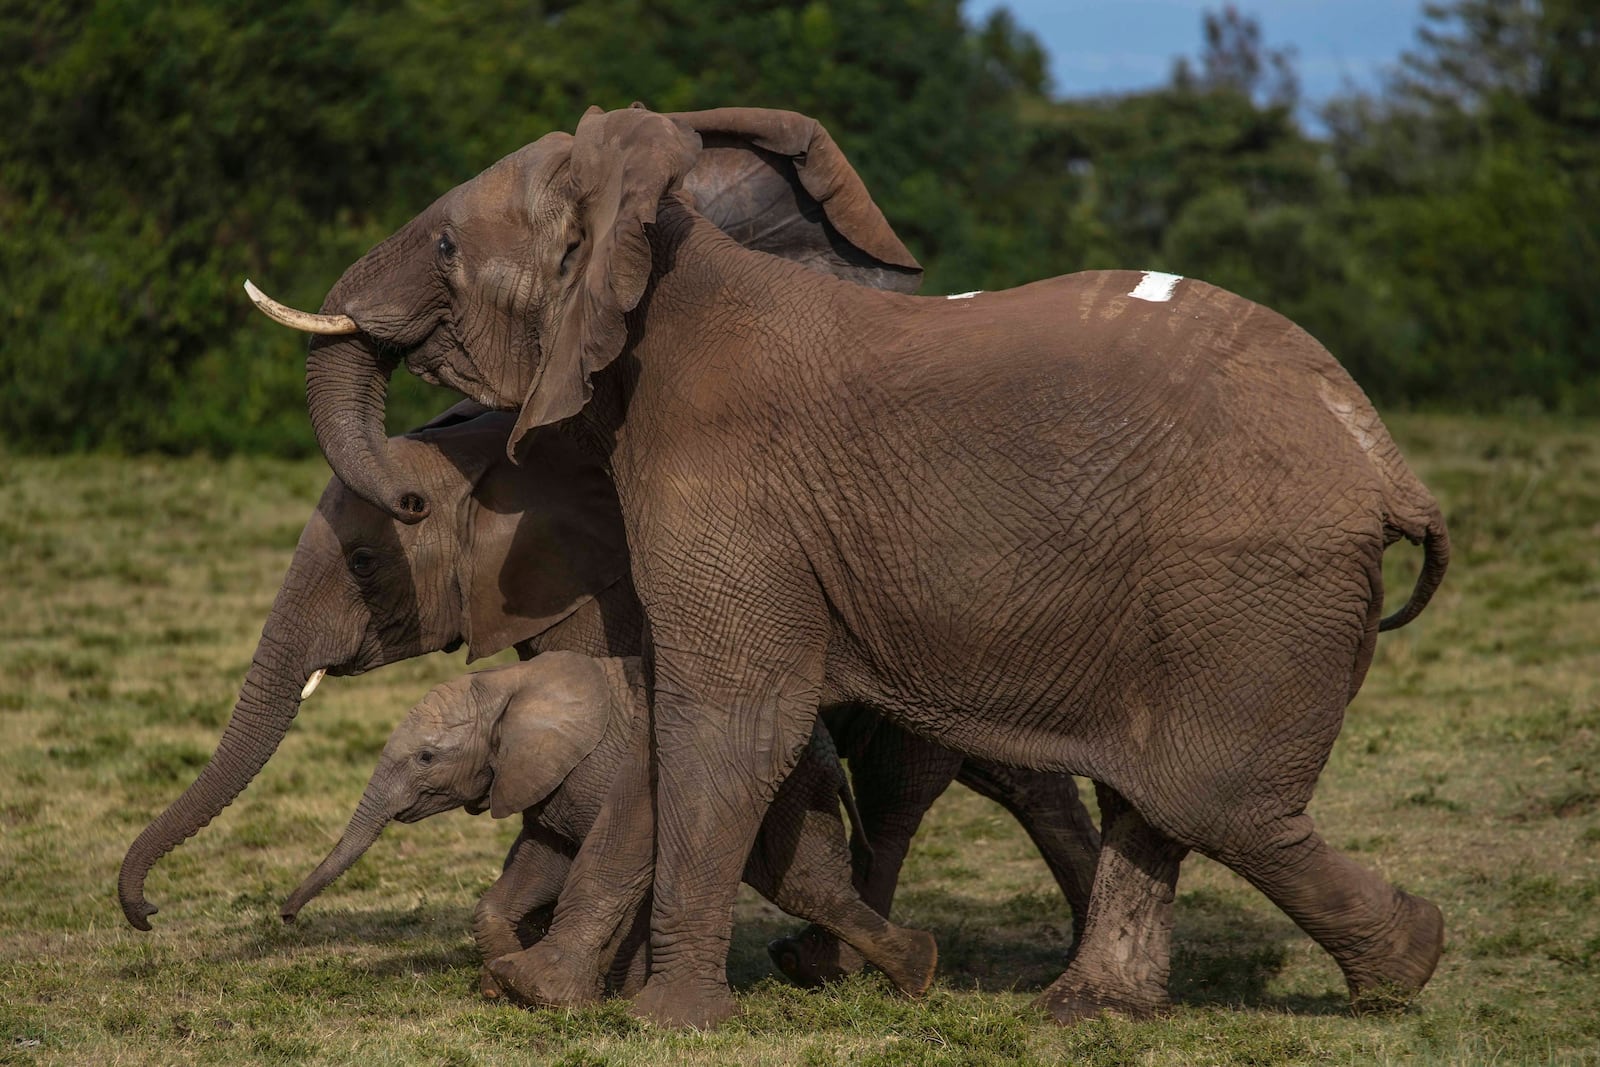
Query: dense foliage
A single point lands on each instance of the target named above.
(1442, 237)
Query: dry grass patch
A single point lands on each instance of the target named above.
(1468, 770)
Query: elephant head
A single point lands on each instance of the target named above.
(501, 740)
(515, 287)
(363, 590)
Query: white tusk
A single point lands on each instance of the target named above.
(299, 320)
(312, 682)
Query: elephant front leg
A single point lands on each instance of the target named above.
(720, 757)
(1124, 957)
(608, 883)
(535, 869)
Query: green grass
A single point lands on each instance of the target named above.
(1468, 771)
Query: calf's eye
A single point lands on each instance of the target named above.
(446, 247)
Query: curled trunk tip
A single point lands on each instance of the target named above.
(347, 383)
(260, 718)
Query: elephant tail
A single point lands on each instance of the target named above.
(1428, 530)
(825, 750)
(858, 836)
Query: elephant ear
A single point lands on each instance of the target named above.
(623, 163)
(556, 709)
(534, 542)
(776, 182)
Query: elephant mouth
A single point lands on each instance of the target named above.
(428, 805)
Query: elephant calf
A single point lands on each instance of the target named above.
(548, 737)
(363, 591)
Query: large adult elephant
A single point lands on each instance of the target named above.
(566, 583)
(1129, 524)
(363, 591)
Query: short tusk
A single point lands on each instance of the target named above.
(312, 682)
(299, 320)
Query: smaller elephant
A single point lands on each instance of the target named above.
(547, 737)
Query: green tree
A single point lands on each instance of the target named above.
(1476, 178)
(161, 151)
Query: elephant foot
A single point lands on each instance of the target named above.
(911, 969)
(682, 1004)
(545, 977)
(489, 986)
(813, 957)
(1070, 1000)
(1391, 975)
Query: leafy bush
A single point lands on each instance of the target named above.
(1441, 241)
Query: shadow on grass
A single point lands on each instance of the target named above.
(1224, 953)
(333, 929)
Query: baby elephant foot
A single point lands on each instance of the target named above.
(680, 1004)
(813, 957)
(1071, 1000)
(1391, 975)
(545, 977)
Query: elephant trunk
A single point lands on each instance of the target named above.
(347, 384)
(267, 704)
(366, 825)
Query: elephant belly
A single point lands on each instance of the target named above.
(1012, 654)
(1074, 634)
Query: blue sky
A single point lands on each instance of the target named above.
(1100, 46)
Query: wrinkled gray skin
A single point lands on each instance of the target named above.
(363, 591)
(546, 738)
(1107, 524)
(329, 616)
(897, 777)
(432, 585)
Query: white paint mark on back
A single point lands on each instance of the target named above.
(1359, 419)
(964, 296)
(1156, 287)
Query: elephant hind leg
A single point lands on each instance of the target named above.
(1123, 959)
(801, 863)
(1385, 940)
(897, 777)
(908, 957)
(1046, 804)
(814, 957)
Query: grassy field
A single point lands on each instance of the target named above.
(1468, 771)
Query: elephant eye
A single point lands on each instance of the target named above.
(363, 562)
(446, 247)
(571, 252)
(424, 757)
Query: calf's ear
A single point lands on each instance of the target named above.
(556, 709)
